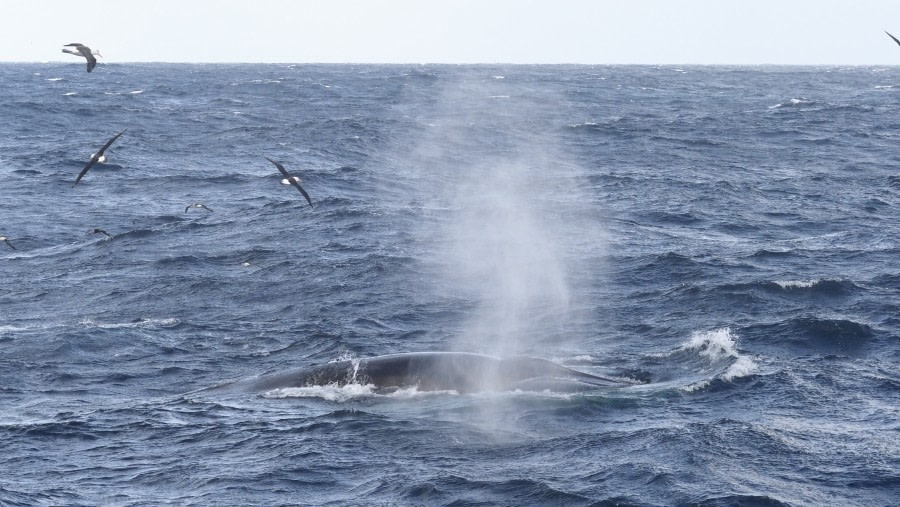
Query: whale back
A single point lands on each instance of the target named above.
(435, 371)
(429, 371)
(517, 369)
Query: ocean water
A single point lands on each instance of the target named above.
(727, 236)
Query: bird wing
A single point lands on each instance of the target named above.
(96, 157)
(291, 179)
(280, 168)
(186, 208)
(108, 143)
(10, 244)
(90, 164)
(71, 51)
(293, 182)
(74, 44)
(85, 52)
(891, 36)
(207, 209)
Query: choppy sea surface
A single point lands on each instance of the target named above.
(727, 236)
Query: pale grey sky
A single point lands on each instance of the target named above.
(457, 31)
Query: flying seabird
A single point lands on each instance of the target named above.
(101, 231)
(6, 240)
(197, 205)
(96, 157)
(82, 50)
(891, 36)
(291, 180)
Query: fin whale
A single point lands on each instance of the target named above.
(438, 371)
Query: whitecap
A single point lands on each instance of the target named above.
(135, 92)
(69, 94)
(55, 79)
(797, 284)
(714, 345)
(791, 103)
(696, 386)
(718, 346)
(742, 367)
(167, 322)
(12, 329)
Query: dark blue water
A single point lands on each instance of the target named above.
(726, 235)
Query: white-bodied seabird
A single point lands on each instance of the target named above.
(197, 205)
(96, 157)
(101, 231)
(291, 180)
(6, 240)
(82, 50)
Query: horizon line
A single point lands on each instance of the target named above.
(684, 64)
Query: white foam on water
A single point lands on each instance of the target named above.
(717, 346)
(797, 284)
(330, 392)
(168, 322)
(349, 392)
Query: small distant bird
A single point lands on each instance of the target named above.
(96, 157)
(101, 231)
(6, 240)
(891, 36)
(82, 50)
(290, 180)
(197, 205)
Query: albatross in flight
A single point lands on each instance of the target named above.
(96, 158)
(82, 50)
(6, 240)
(197, 205)
(290, 180)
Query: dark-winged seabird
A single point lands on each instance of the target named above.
(891, 36)
(101, 231)
(291, 180)
(6, 240)
(96, 157)
(82, 50)
(197, 205)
